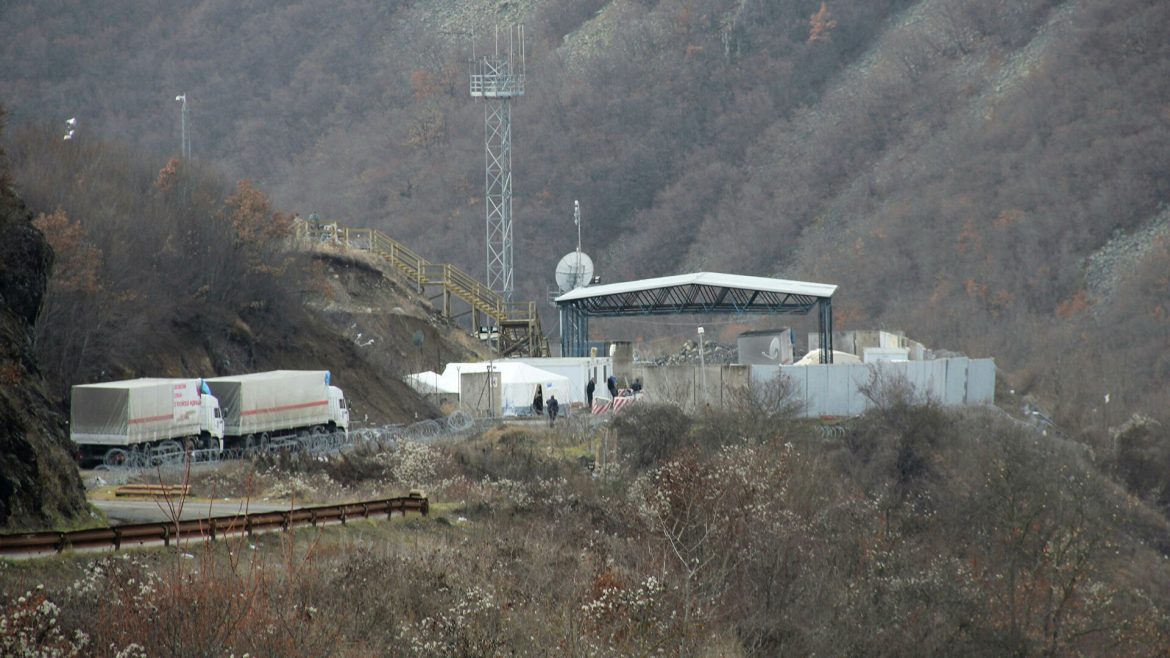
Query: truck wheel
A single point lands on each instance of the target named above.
(114, 457)
(250, 444)
(164, 453)
(264, 442)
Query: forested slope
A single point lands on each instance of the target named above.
(960, 168)
(38, 479)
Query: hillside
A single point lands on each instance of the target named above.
(195, 290)
(39, 484)
(964, 170)
(208, 282)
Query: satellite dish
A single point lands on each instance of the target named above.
(574, 271)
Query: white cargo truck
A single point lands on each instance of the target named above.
(280, 404)
(110, 421)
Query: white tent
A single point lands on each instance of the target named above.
(518, 381)
(813, 358)
(578, 370)
(429, 381)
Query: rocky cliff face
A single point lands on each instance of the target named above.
(39, 482)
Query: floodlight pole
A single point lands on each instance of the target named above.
(184, 136)
(703, 365)
(491, 397)
(577, 220)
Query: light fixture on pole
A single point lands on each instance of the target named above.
(703, 365)
(184, 136)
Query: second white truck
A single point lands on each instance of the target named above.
(267, 406)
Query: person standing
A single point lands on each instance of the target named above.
(612, 384)
(538, 401)
(589, 388)
(553, 408)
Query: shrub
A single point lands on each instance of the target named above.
(1142, 453)
(753, 413)
(648, 434)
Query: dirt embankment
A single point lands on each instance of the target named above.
(347, 316)
(370, 330)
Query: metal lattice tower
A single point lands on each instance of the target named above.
(497, 79)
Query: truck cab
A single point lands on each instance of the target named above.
(338, 410)
(211, 421)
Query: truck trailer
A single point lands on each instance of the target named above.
(263, 407)
(110, 420)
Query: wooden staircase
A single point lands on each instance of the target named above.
(519, 323)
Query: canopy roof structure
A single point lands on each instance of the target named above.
(694, 293)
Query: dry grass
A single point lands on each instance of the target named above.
(750, 547)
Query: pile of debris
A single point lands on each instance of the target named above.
(688, 355)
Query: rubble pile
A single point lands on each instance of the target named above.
(688, 355)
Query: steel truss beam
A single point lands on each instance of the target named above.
(690, 299)
(694, 299)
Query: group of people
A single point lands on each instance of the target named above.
(552, 407)
(610, 383)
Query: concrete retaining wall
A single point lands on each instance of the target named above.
(822, 390)
(683, 385)
(836, 390)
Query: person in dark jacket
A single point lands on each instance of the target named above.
(553, 408)
(589, 388)
(538, 401)
(612, 384)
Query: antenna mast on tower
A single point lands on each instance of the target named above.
(498, 78)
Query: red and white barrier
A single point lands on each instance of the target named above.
(605, 405)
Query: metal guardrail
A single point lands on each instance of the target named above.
(116, 537)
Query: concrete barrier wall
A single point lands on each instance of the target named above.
(835, 390)
(683, 385)
(981, 382)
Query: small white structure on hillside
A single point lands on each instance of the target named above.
(510, 389)
(578, 369)
(430, 382)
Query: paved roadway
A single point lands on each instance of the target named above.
(145, 510)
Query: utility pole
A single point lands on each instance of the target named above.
(703, 365)
(184, 134)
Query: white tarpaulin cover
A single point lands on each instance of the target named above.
(813, 358)
(274, 400)
(578, 369)
(429, 381)
(518, 381)
(134, 411)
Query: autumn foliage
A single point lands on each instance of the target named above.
(821, 25)
(130, 266)
(77, 262)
